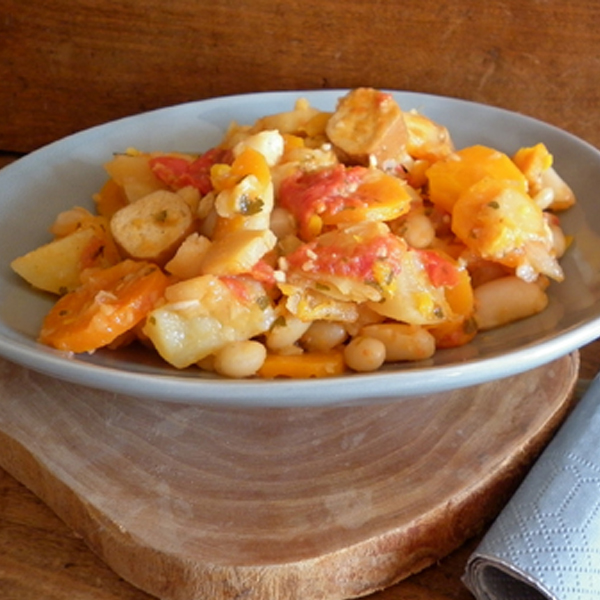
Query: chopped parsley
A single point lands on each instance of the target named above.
(250, 206)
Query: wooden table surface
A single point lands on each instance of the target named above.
(69, 64)
(42, 559)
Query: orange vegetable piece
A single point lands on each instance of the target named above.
(303, 366)
(340, 195)
(380, 197)
(454, 175)
(461, 327)
(109, 302)
(292, 142)
(533, 162)
(249, 162)
(498, 221)
(536, 164)
(110, 199)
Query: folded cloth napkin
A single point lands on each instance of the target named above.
(545, 544)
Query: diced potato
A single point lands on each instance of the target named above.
(153, 227)
(204, 314)
(412, 298)
(269, 143)
(73, 219)
(368, 125)
(238, 252)
(299, 121)
(132, 172)
(427, 140)
(56, 267)
(187, 262)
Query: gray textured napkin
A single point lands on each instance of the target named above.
(545, 544)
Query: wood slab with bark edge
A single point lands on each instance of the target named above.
(188, 502)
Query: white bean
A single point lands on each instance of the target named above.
(544, 197)
(402, 341)
(324, 335)
(364, 354)
(418, 230)
(240, 359)
(286, 332)
(507, 299)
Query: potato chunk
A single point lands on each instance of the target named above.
(368, 125)
(132, 173)
(153, 227)
(238, 252)
(56, 267)
(427, 140)
(187, 262)
(204, 314)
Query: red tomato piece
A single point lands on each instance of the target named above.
(342, 195)
(178, 172)
(441, 271)
(346, 257)
(264, 273)
(314, 192)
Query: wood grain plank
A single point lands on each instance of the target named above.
(192, 502)
(67, 65)
(25, 523)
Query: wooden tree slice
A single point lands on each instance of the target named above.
(188, 502)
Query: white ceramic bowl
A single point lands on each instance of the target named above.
(66, 173)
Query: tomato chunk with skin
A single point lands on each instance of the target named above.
(109, 303)
(358, 262)
(179, 172)
(355, 263)
(341, 194)
(440, 270)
